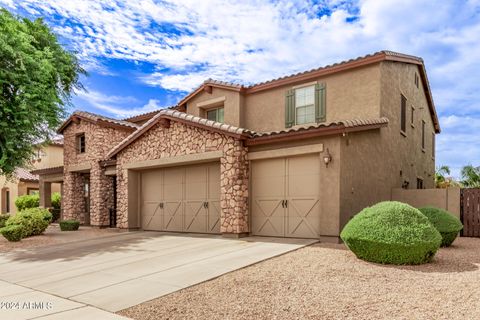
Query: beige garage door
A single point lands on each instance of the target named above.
(285, 197)
(182, 199)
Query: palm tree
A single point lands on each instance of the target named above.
(441, 179)
(471, 176)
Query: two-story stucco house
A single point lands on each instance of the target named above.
(292, 157)
(26, 182)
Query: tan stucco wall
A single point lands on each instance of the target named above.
(232, 105)
(329, 184)
(372, 161)
(349, 95)
(53, 157)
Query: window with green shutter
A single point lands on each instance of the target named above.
(305, 105)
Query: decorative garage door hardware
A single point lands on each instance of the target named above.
(284, 203)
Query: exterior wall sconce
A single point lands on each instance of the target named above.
(327, 158)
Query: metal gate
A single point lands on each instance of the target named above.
(470, 212)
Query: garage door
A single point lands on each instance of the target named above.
(285, 197)
(181, 199)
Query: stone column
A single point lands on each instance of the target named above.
(73, 201)
(101, 196)
(234, 190)
(45, 193)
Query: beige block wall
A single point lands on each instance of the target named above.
(232, 105)
(447, 199)
(329, 180)
(349, 95)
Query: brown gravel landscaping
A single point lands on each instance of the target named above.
(53, 236)
(326, 281)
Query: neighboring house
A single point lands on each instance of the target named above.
(24, 181)
(296, 156)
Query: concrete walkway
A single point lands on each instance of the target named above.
(89, 279)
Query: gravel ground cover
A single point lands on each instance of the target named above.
(53, 236)
(326, 281)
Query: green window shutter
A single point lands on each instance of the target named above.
(320, 101)
(290, 108)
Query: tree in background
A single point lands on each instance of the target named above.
(471, 176)
(442, 180)
(37, 79)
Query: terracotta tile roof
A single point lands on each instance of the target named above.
(25, 175)
(312, 74)
(345, 123)
(96, 118)
(183, 117)
(147, 115)
(376, 54)
(46, 171)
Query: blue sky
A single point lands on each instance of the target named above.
(144, 55)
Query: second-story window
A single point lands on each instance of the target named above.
(81, 143)
(403, 113)
(305, 105)
(215, 114)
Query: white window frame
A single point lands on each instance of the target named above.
(312, 105)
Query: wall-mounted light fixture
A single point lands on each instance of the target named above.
(327, 158)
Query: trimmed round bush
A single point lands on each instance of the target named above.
(446, 223)
(27, 201)
(34, 221)
(391, 232)
(13, 232)
(3, 219)
(69, 225)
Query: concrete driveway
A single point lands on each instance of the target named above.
(89, 279)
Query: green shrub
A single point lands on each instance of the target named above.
(34, 221)
(69, 225)
(27, 201)
(13, 232)
(446, 223)
(56, 200)
(3, 219)
(391, 232)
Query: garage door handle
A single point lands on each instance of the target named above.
(161, 205)
(205, 205)
(283, 203)
(286, 203)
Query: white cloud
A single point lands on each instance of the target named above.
(117, 106)
(251, 41)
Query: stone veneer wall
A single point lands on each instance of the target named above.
(99, 140)
(180, 139)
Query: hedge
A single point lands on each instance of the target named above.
(3, 219)
(56, 200)
(27, 201)
(446, 223)
(391, 232)
(13, 232)
(33, 201)
(34, 221)
(69, 225)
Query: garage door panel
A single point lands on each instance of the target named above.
(195, 217)
(268, 217)
(303, 218)
(172, 216)
(294, 179)
(213, 217)
(173, 199)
